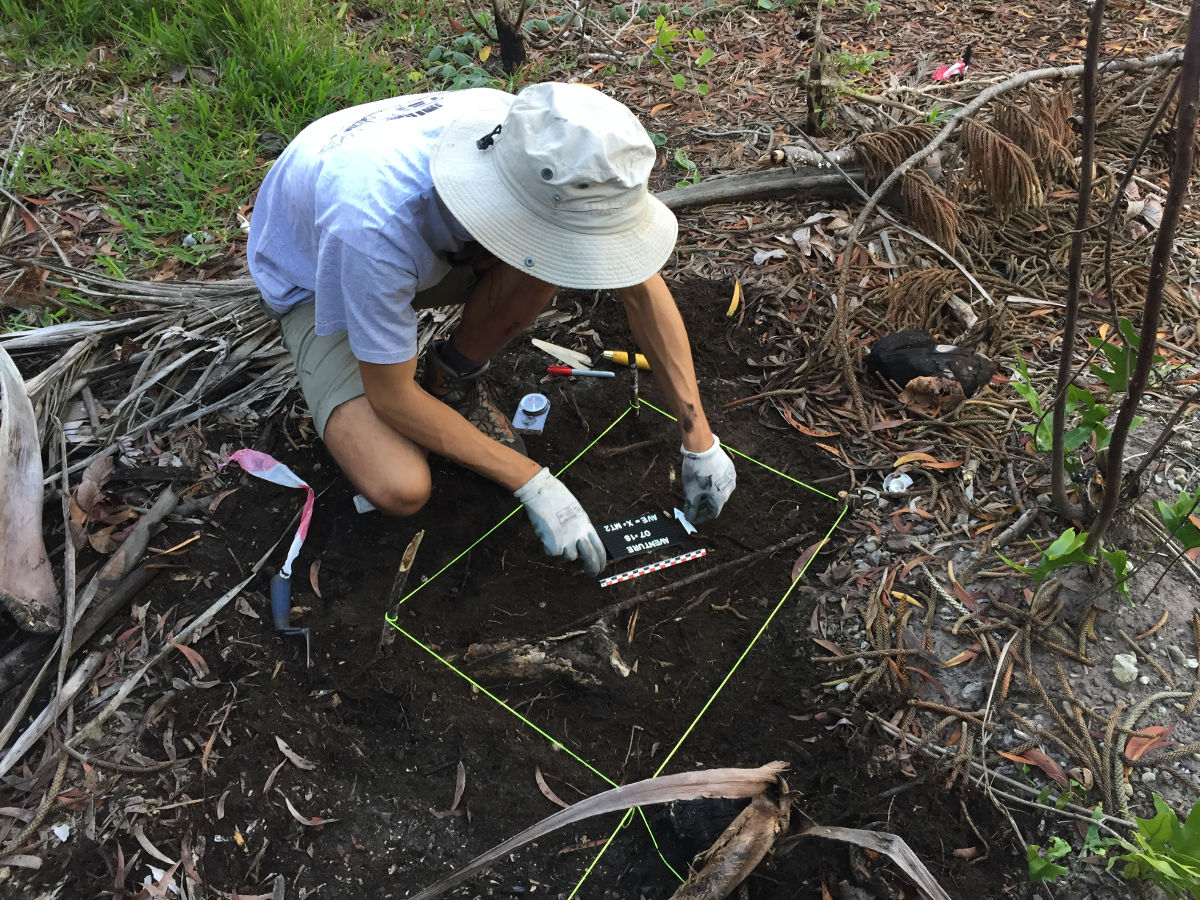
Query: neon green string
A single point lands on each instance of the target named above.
(724, 681)
(750, 458)
(475, 684)
(390, 617)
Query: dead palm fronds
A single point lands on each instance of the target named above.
(173, 354)
(1054, 115)
(1004, 171)
(1129, 290)
(930, 210)
(916, 297)
(882, 151)
(762, 826)
(1037, 137)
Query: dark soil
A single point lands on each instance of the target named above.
(387, 726)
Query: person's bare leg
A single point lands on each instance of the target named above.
(502, 304)
(390, 470)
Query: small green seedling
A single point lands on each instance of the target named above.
(682, 160)
(1177, 517)
(1066, 550)
(1167, 851)
(1043, 866)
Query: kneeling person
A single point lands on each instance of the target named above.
(489, 200)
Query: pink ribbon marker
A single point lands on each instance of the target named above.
(268, 468)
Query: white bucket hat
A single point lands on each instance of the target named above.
(559, 189)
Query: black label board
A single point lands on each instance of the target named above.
(640, 534)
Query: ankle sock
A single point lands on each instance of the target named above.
(459, 364)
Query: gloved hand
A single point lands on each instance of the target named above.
(560, 521)
(708, 480)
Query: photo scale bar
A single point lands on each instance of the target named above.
(392, 618)
(652, 567)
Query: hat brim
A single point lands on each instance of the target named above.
(468, 183)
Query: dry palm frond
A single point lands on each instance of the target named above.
(1032, 136)
(1005, 171)
(977, 232)
(916, 298)
(1054, 116)
(883, 151)
(929, 209)
(178, 353)
(1130, 285)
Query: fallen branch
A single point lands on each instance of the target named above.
(126, 558)
(809, 183)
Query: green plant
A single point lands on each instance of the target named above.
(1043, 866)
(1177, 517)
(1091, 413)
(871, 10)
(682, 161)
(1069, 548)
(455, 67)
(847, 63)
(664, 48)
(1167, 851)
(1121, 357)
(1065, 550)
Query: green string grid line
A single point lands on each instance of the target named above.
(709, 702)
(749, 458)
(392, 619)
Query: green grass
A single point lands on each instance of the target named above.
(207, 78)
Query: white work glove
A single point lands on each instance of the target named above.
(708, 480)
(560, 521)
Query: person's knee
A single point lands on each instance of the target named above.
(400, 497)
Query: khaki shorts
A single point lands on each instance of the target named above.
(327, 368)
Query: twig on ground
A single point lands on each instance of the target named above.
(1072, 810)
(17, 204)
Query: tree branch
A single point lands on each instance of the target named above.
(1181, 169)
(1058, 452)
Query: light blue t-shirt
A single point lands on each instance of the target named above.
(348, 217)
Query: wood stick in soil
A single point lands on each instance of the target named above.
(661, 592)
(388, 634)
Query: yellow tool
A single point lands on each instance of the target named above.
(621, 358)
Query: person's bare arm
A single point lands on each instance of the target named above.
(659, 331)
(399, 401)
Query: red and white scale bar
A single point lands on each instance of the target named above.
(652, 567)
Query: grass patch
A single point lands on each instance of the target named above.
(200, 83)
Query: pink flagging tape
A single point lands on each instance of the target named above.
(266, 467)
(652, 567)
